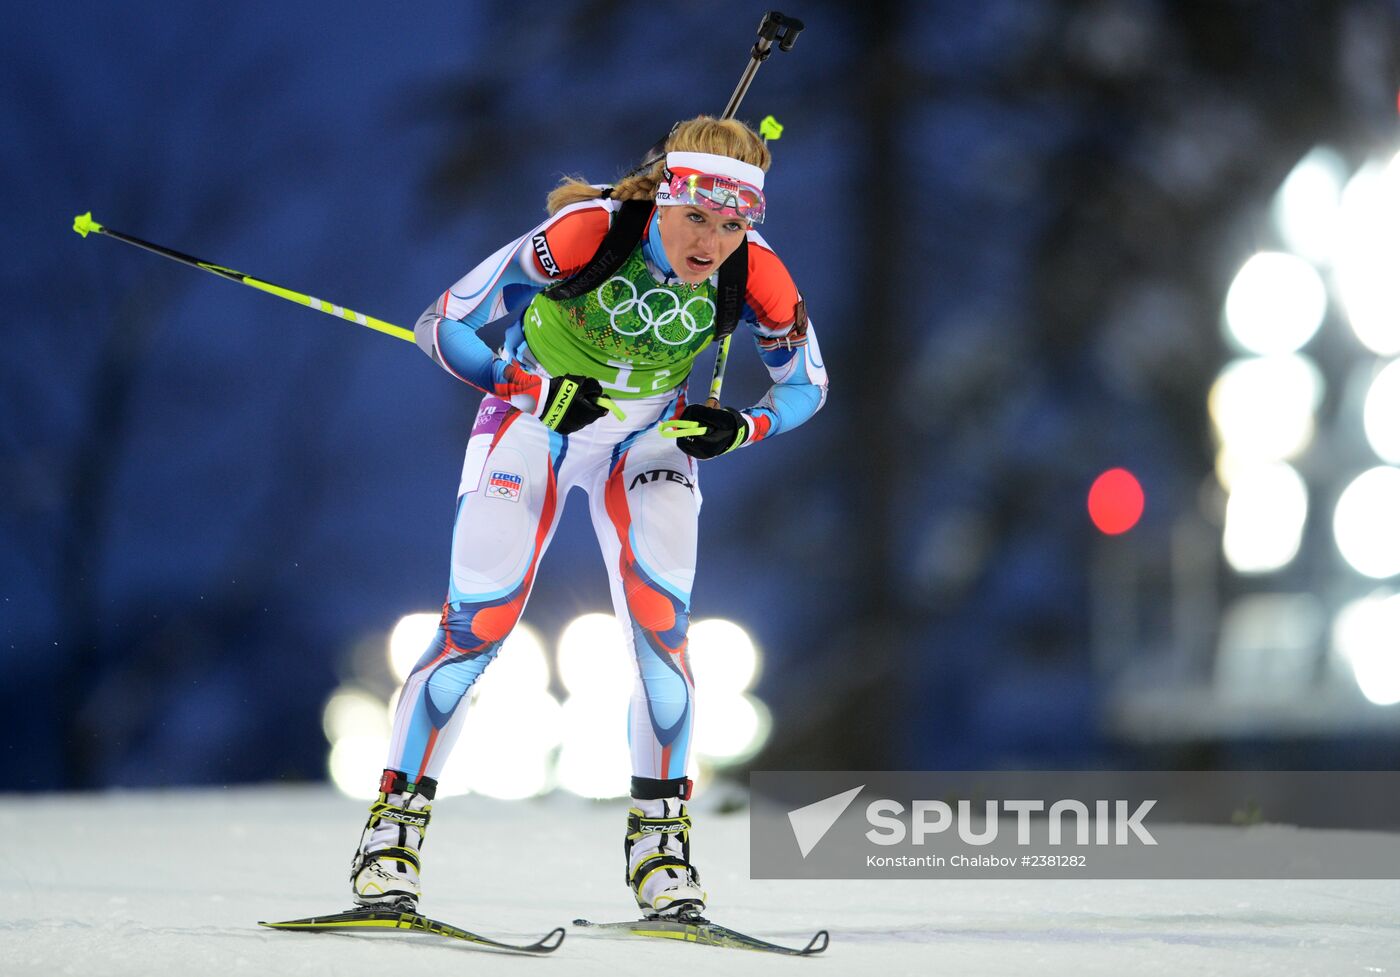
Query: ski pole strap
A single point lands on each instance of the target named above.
(650, 789)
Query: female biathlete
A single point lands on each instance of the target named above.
(621, 289)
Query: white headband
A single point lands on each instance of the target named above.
(718, 165)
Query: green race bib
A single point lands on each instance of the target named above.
(637, 337)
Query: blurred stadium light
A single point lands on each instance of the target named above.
(1381, 414)
(1368, 255)
(352, 711)
(1311, 411)
(1307, 208)
(355, 763)
(730, 725)
(592, 656)
(408, 640)
(596, 670)
(513, 726)
(1263, 409)
(1367, 524)
(1366, 636)
(723, 658)
(1264, 517)
(1275, 304)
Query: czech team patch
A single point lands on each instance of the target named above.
(504, 485)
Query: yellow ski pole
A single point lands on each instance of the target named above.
(84, 225)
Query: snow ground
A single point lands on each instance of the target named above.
(156, 883)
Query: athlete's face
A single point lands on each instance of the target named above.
(697, 241)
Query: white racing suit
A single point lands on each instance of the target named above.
(643, 491)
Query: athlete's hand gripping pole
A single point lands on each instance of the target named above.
(85, 225)
(707, 432)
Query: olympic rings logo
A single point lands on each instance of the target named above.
(658, 309)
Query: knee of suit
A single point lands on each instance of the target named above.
(472, 626)
(661, 626)
(659, 682)
(450, 679)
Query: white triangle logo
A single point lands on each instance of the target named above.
(811, 823)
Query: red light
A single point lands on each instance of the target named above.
(1115, 501)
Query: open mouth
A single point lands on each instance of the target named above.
(699, 264)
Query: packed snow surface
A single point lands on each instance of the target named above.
(174, 882)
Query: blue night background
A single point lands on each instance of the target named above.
(1014, 223)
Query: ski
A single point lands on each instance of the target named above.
(698, 929)
(379, 920)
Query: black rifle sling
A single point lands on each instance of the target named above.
(624, 235)
(732, 289)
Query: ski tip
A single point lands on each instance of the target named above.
(84, 223)
(818, 942)
(552, 940)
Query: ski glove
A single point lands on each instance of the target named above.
(571, 402)
(707, 432)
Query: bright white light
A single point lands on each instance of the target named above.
(1307, 207)
(1275, 303)
(731, 728)
(723, 659)
(507, 741)
(594, 658)
(1382, 413)
(1264, 517)
(352, 711)
(355, 764)
(1263, 406)
(1368, 254)
(1367, 635)
(521, 665)
(1367, 522)
(455, 776)
(595, 760)
(409, 640)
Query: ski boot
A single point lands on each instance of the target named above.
(657, 846)
(384, 871)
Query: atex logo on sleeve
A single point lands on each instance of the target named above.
(547, 262)
(504, 485)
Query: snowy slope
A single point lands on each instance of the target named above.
(158, 883)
